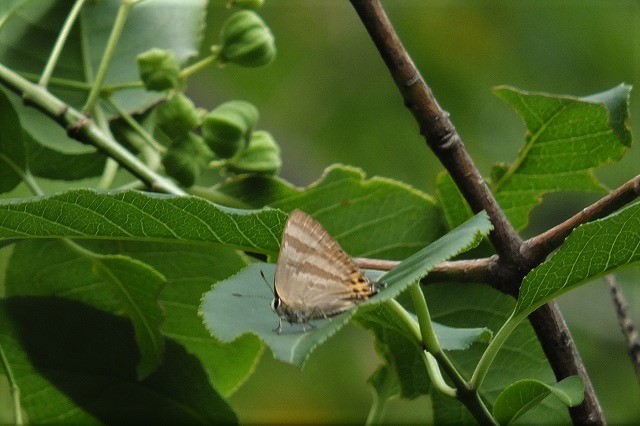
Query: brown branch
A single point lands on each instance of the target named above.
(445, 142)
(560, 349)
(472, 270)
(539, 247)
(437, 128)
(626, 324)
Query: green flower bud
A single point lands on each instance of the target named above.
(261, 156)
(227, 128)
(246, 40)
(159, 70)
(177, 116)
(246, 4)
(186, 158)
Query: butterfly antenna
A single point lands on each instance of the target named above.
(267, 283)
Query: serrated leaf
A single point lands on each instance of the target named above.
(521, 357)
(374, 217)
(111, 282)
(523, 395)
(567, 138)
(228, 315)
(12, 153)
(592, 250)
(131, 215)
(189, 272)
(75, 364)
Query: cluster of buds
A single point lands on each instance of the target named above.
(226, 134)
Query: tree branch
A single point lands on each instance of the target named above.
(82, 128)
(445, 142)
(437, 128)
(539, 247)
(472, 270)
(626, 323)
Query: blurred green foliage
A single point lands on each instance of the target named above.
(328, 98)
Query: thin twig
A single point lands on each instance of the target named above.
(472, 270)
(540, 246)
(626, 323)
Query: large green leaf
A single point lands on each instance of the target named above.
(132, 215)
(12, 152)
(592, 250)
(521, 357)
(228, 315)
(523, 395)
(189, 271)
(567, 137)
(75, 364)
(374, 217)
(111, 282)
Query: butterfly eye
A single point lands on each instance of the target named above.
(275, 304)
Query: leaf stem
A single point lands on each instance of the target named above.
(436, 376)
(60, 41)
(199, 65)
(64, 83)
(412, 326)
(112, 43)
(82, 128)
(15, 389)
(492, 350)
(146, 136)
(429, 339)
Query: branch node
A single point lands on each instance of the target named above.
(74, 130)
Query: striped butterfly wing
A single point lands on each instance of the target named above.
(314, 276)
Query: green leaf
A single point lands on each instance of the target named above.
(455, 208)
(396, 345)
(523, 395)
(137, 286)
(75, 364)
(53, 164)
(521, 357)
(228, 315)
(132, 215)
(567, 138)
(374, 217)
(592, 250)
(189, 272)
(384, 385)
(111, 282)
(12, 153)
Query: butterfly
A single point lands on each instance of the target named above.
(314, 277)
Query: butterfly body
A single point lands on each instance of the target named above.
(314, 277)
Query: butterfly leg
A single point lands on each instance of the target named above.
(278, 329)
